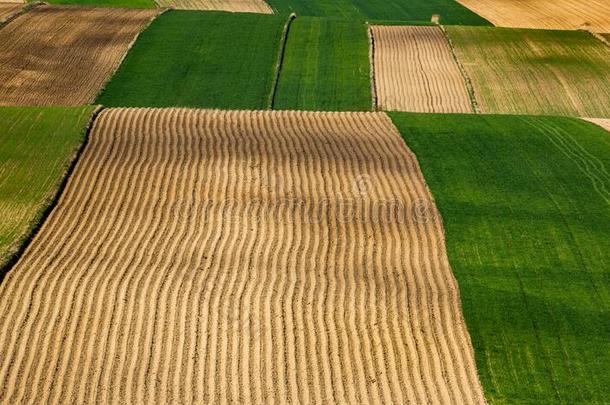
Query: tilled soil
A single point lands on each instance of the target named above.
(75, 51)
(202, 256)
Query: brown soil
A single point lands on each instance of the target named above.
(243, 6)
(415, 71)
(547, 14)
(75, 51)
(210, 257)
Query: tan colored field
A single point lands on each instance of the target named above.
(239, 6)
(213, 257)
(75, 51)
(602, 122)
(415, 71)
(7, 10)
(522, 71)
(547, 14)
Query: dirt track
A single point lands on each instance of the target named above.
(415, 71)
(75, 51)
(153, 281)
(238, 6)
(547, 14)
(7, 10)
(602, 122)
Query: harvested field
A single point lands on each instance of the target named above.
(415, 71)
(239, 6)
(212, 257)
(7, 10)
(545, 14)
(602, 122)
(75, 51)
(520, 71)
(525, 202)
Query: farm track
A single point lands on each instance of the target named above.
(168, 274)
(544, 14)
(602, 122)
(76, 50)
(415, 71)
(239, 6)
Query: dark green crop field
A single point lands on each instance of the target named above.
(326, 67)
(200, 59)
(525, 203)
(37, 145)
(450, 11)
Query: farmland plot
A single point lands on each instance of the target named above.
(200, 59)
(604, 123)
(215, 256)
(7, 10)
(243, 6)
(326, 67)
(74, 52)
(36, 147)
(545, 14)
(525, 203)
(415, 71)
(517, 71)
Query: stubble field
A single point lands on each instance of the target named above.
(156, 278)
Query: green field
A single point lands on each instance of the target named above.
(525, 203)
(200, 59)
(108, 3)
(37, 145)
(451, 12)
(522, 71)
(326, 67)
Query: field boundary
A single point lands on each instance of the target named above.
(467, 81)
(51, 202)
(372, 66)
(280, 59)
(598, 36)
(131, 44)
(27, 7)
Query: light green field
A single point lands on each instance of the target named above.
(520, 71)
(37, 145)
(325, 67)
(526, 208)
(200, 59)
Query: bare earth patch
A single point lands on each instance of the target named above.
(547, 14)
(415, 71)
(240, 6)
(226, 256)
(74, 52)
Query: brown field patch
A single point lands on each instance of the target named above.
(8, 10)
(227, 256)
(547, 14)
(239, 6)
(74, 52)
(415, 71)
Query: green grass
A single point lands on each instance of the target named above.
(525, 203)
(37, 145)
(108, 3)
(451, 12)
(200, 59)
(522, 71)
(326, 67)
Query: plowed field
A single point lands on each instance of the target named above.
(209, 256)
(74, 52)
(415, 71)
(547, 14)
(243, 6)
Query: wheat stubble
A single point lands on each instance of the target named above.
(415, 71)
(236, 6)
(57, 55)
(202, 256)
